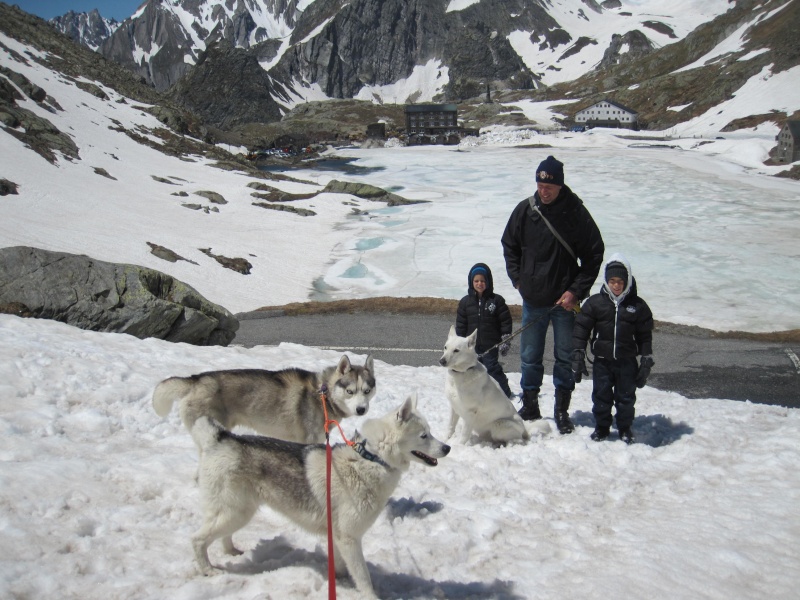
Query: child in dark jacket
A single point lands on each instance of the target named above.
(621, 328)
(487, 312)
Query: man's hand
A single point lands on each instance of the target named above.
(568, 301)
(579, 365)
(645, 364)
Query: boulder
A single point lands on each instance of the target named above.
(101, 296)
(367, 192)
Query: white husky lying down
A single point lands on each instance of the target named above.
(240, 472)
(476, 397)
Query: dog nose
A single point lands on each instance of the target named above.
(443, 361)
(361, 410)
(445, 449)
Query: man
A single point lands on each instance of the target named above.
(553, 251)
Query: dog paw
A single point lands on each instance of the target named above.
(231, 549)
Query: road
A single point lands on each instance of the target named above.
(689, 363)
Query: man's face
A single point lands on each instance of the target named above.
(548, 192)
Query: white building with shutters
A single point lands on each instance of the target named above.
(607, 114)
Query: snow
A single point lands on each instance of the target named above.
(778, 91)
(456, 5)
(548, 62)
(424, 83)
(98, 495)
(99, 498)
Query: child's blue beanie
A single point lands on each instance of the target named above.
(477, 271)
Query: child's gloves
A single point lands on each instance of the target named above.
(645, 364)
(579, 365)
(506, 345)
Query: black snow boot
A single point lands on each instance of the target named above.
(600, 433)
(561, 413)
(530, 406)
(626, 435)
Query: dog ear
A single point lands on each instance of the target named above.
(408, 408)
(472, 339)
(344, 365)
(368, 364)
(452, 331)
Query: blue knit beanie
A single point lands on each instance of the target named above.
(477, 271)
(550, 171)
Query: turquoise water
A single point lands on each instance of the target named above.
(369, 243)
(358, 271)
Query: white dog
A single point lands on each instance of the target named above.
(475, 396)
(240, 472)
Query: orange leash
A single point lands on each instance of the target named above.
(323, 395)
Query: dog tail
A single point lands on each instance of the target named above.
(167, 392)
(206, 433)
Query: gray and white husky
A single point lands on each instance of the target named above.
(238, 473)
(475, 396)
(282, 404)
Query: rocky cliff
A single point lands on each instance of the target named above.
(88, 29)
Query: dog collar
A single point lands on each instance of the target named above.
(361, 449)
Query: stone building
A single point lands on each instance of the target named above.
(788, 143)
(431, 119)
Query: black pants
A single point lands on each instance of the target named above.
(614, 385)
(495, 369)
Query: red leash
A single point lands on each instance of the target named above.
(323, 394)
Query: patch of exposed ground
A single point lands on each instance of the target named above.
(445, 307)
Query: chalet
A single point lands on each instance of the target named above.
(608, 114)
(788, 143)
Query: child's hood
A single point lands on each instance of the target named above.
(618, 258)
(487, 272)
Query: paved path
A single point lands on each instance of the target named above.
(692, 365)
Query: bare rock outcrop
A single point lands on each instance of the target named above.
(102, 296)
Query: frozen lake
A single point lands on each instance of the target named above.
(711, 244)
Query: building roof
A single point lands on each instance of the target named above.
(431, 108)
(794, 128)
(617, 104)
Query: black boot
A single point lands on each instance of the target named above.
(600, 433)
(561, 412)
(530, 406)
(626, 435)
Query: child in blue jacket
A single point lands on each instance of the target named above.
(487, 312)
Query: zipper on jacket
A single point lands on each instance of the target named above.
(480, 318)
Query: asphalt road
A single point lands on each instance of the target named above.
(687, 362)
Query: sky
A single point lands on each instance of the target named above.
(97, 492)
(48, 9)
